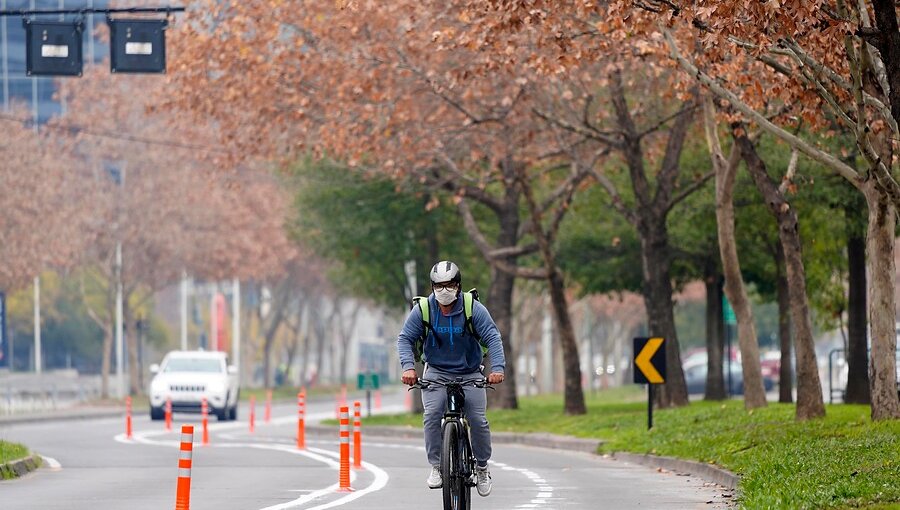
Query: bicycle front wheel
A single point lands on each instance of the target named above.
(454, 487)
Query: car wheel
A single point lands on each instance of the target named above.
(156, 413)
(232, 413)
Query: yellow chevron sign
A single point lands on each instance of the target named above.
(649, 360)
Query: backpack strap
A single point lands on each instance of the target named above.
(419, 346)
(469, 299)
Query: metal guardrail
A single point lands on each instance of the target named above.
(28, 393)
(837, 366)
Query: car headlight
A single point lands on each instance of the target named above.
(157, 388)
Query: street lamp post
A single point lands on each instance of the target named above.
(37, 325)
(236, 324)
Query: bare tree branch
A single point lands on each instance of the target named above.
(486, 249)
(815, 154)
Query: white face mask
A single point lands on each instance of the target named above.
(445, 296)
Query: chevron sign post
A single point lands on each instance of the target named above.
(649, 367)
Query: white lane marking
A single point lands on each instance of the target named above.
(323, 456)
(52, 463)
(381, 479)
(545, 490)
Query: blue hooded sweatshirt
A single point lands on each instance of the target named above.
(451, 348)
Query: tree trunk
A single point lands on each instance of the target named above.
(573, 392)
(304, 333)
(715, 336)
(809, 388)
(857, 348)
(657, 292)
(754, 392)
(649, 219)
(131, 337)
(880, 246)
(500, 305)
(785, 371)
(318, 322)
(106, 361)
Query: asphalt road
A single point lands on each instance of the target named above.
(95, 467)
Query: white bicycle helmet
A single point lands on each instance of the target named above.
(446, 271)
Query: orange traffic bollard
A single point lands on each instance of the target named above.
(301, 412)
(204, 418)
(168, 414)
(128, 417)
(357, 437)
(268, 415)
(344, 473)
(343, 395)
(252, 413)
(377, 399)
(183, 490)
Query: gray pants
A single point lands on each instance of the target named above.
(434, 400)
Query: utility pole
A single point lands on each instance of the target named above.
(184, 309)
(120, 329)
(236, 324)
(120, 305)
(213, 321)
(37, 325)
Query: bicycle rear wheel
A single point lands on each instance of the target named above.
(454, 488)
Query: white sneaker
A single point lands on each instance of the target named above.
(483, 481)
(434, 479)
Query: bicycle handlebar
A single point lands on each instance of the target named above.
(422, 384)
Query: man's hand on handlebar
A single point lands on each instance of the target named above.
(409, 377)
(495, 378)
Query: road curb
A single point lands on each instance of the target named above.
(542, 440)
(20, 467)
(708, 472)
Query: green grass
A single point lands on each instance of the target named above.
(842, 461)
(290, 393)
(11, 451)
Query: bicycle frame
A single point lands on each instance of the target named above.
(459, 469)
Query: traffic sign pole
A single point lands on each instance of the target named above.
(649, 368)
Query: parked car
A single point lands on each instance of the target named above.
(187, 377)
(695, 378)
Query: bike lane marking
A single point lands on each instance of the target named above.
(324, 456)
(545, 490)
(542, 499)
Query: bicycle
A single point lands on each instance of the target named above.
(457, 458)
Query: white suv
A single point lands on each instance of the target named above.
(188, 376)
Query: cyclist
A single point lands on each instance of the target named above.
(451, 351)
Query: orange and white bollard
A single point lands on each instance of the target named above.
(252, 413)
(301, 416)
(128, 417)
(168, 414)
(377, 399)
(357, 437)
(268, 415)
(344, 472)
(204, 419)
(183, 490)
(343, 395)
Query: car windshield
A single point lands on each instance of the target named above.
(207, 365)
